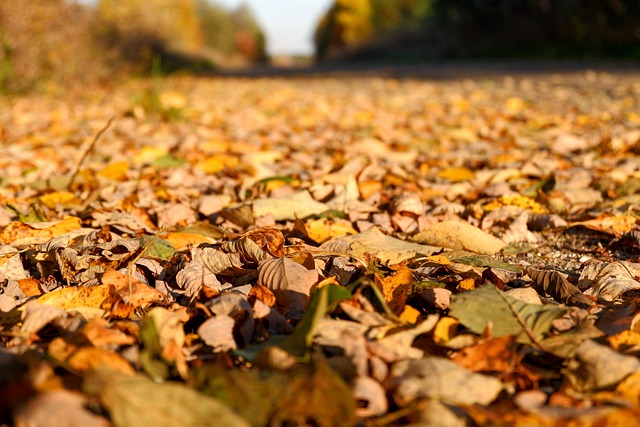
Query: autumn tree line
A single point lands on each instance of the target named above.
(485, 28)
(69, 42)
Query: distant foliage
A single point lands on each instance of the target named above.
(437, 28)
(146, 29)
(350, 23)
(71, 43)
(553, 28)
(37, 43)
(173, 22)
(170, 28)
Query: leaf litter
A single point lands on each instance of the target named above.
(353, 251)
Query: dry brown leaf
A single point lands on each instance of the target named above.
(460, 235)
(441, 380)
(132, 291)
(65, 407)
(289, 281)
(559, 288)
(495, 355)
(86, 359)
(609, 280)
(615, 225)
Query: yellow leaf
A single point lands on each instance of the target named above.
(180, 240)
(624, 340)
(217, 163)
(457, 174)
(20, 234)
(516, 200)
(410, 314)
(395, 287)
(462, 104)
(68, 224)
(148, 154)
(514, 104)
(467, 285)
(63, 198)
(438, 259)
(101, 296)
(630, 388)
(172, 99)
(116, 171)
(215, 145)
(323, 229)
(445, 330)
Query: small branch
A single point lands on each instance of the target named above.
(89, 150)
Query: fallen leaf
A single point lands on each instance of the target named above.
(20, 234)
(558, 287)
(134, 400)
(598, 367)
(86, 359)
(323, 229)
(609, 280)
(507, 315)
(615, 225)
(131, 290)
(459, 235)
(297, 205)
(62, 198)
(290, 282)
(316, 395)
(386, 248)
(162, 336)
(65, 407)
(442, 380)
(495, 355)
(217, 332)
(395, 286)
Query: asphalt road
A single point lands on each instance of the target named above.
(438, 70)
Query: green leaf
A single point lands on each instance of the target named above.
(508, 315)
(159, 249)
(135, 400)
(322, 302)
(168, 161)
(150, 354)
(312, 395)
(258, 390)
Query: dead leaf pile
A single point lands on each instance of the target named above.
(323, 252)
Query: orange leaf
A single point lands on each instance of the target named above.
(395, 287)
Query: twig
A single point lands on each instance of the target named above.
(89, 150)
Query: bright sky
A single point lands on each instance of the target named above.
(288, 24)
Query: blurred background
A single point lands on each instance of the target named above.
(86, 41)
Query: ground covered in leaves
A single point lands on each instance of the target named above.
(322, 251)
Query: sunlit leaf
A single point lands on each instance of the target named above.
(507, 315)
